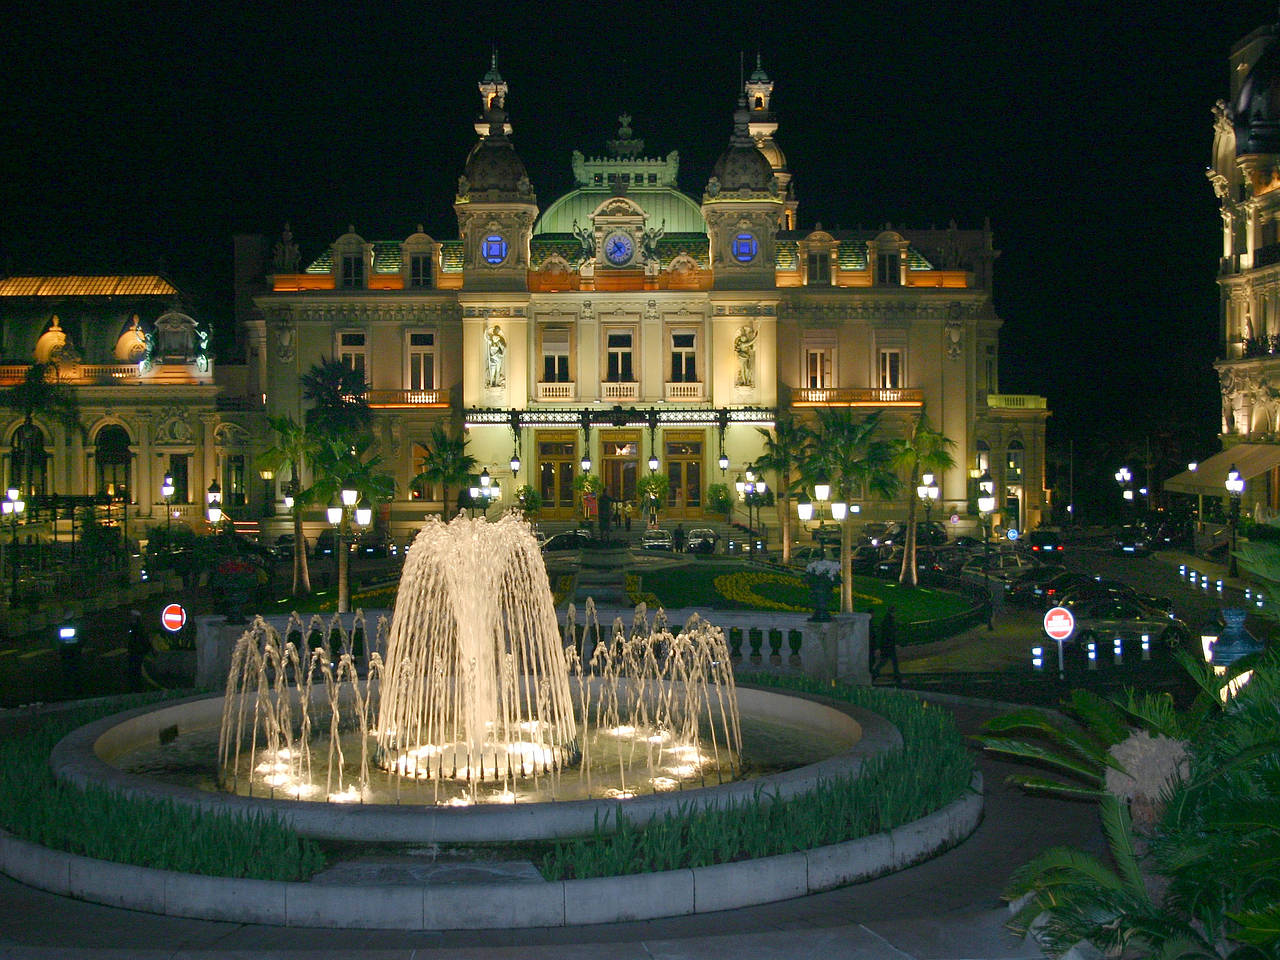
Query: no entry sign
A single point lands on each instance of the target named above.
(1059, 623)
(173, 617)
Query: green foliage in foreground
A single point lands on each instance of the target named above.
(104, 825)
(930, 770)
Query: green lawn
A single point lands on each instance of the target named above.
(745, 586)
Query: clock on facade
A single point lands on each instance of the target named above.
(618, 248)
(494, 248)
(744, 247)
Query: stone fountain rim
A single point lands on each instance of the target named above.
(75, 759)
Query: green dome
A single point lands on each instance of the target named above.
(681, 213)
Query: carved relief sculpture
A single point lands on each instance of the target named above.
(495, 356)
(744, 345)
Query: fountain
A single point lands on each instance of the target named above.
(472, 691)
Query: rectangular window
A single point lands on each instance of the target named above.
(618, 360)
(888, 273)
(420, 270)
(178, 463)
(422, 361)
(351, 351)
(890, 369)
(819, 268)
(353, 270)
(555, 355)
(684, 356)
(233, 494)
(817, 368)
(992, 383)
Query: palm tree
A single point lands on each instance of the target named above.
(339, 465)
(446, 463)
(783, 449)
(844, 450)
(294, 447)
(922, 450)
(338, 392)
(39, 393)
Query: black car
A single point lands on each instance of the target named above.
(283, 547)
(928, 534)
(573, 540)
(828, 533)
(1132, 540)
(1043, 586)
(1045, 544)
(865, 558)
(702, 540)
(1098, 587)
(374, 543)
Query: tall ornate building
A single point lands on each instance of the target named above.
(625, 322)
(1245, 175)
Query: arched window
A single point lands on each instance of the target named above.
(111, 453)
(28, 460)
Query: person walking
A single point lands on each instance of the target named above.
(137, 646)
(626, 515)
(887, 648)
(677, 538)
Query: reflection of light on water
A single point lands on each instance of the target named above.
(505, 796)
(268, 767)
(531, 726)
(688, 753)
(457, 802)
(658, 738)
(613, 793)
(350, 795)
(682, 769)
(663, 783)
(285, 754)
(623, 731)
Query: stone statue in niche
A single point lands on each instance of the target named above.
(586, 242)
(285, 256)
(284, 342)
(495, 357)
(744, 346)
(649, 242)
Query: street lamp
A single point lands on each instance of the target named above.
(12, 506)
(166, 493)
(214, 498)
(339, 515)
(267, 476)
(1235, 489)
(1125, 479)
(752, 492)
(928, 491)
(986, 507)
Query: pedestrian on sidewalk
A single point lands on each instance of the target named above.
(626, 515)
(887, 648)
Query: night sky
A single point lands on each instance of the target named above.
(139, 139)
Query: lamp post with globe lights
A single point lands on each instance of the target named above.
(986, 507)
(1124, 477)
(167, 491)
(1235, 490)
(928, 491)
(339, 515)
(11, 507)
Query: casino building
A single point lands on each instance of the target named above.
(626, 323)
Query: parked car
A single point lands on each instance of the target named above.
(827, 533)
(1099, 587)
(374, 543)
(1103, 618)
(804, 555)
(1000, 566)
(891, 565)
(928, 534)
(966, 542)
(572, 540)
(702, 540)
(657, 539)
(1131, 539)
(864, 559)
(1045, 543)
(325, 543)
(1043, 587)
(283, 547)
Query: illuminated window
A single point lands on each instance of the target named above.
(684, 356)
(494, 248)
(555, 355)
(422, 361)
(817, 368)
(890, 369)
(352, 352)
(618, 359)
(1014, 456)
(744, 248)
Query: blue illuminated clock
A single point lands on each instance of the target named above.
(618, 248)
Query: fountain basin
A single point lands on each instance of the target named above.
(84, 756)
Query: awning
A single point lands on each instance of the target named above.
(1210, 477)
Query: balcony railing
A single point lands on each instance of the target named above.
(106, 374)
(564, 390)
(685, 391)
(857, 397)
(407, 398)
(1016, 401)
(611, 390)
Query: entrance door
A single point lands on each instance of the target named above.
(557, 466)
(620, 453)
(684, 475)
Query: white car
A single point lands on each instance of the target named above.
(657, 539)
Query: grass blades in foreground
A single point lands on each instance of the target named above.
(931, 769)
(104, 825)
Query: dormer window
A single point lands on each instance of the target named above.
(352, 270)
(888, 272)
(819, 272)
(420, 270)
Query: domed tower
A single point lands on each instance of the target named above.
(495, 205)
(762, 124)
(743, 206)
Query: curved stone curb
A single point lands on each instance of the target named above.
(482, 906)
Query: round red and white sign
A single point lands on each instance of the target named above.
(1059, 623)
(173, 617)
